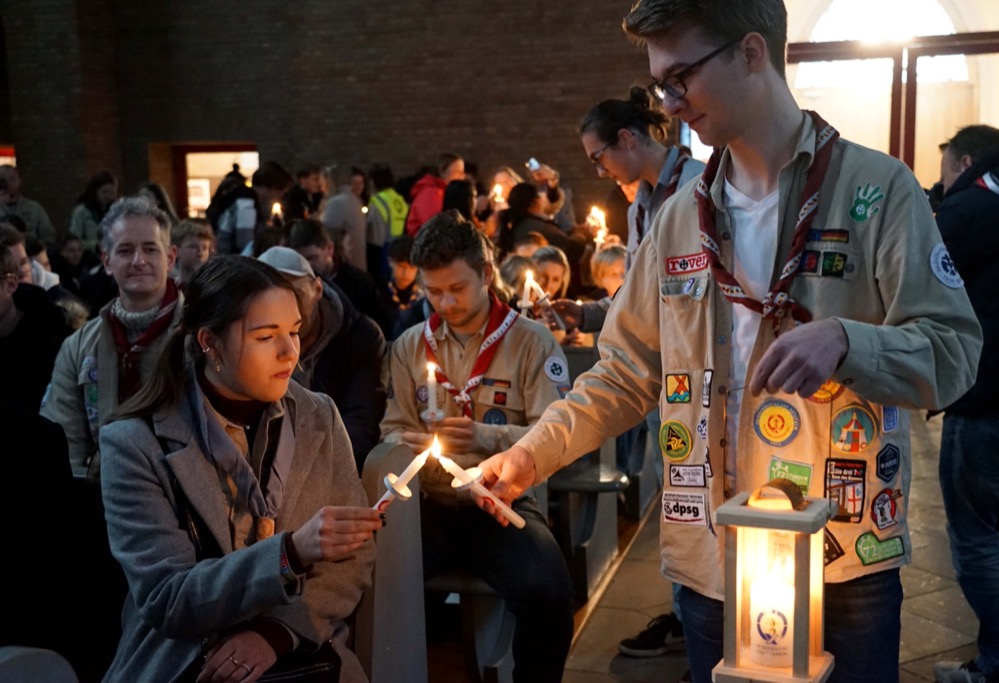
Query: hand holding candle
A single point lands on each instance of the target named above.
(470, 479)
(398, 486)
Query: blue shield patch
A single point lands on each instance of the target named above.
(888, 461)
(494, 416)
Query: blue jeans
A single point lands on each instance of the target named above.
(863, 629)
(525, 566)
(969, 481)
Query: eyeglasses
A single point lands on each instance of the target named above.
(675, 86)
(595, 157)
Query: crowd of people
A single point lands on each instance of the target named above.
(220, 380)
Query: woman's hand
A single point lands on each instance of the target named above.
(240, 658)
(334, 532)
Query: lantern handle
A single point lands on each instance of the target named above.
(785, 486)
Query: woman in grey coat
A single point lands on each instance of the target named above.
(282, 544)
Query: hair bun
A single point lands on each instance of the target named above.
(640, 97)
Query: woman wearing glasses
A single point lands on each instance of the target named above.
(624, 140)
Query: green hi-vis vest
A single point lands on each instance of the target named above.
(392, 208)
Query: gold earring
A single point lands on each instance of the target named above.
(212, 356)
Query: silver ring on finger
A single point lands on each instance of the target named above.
(244, 666)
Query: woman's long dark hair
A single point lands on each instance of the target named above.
(460, 195)
(522, 195)
(219, 294)
(89, 196)
(639, 114)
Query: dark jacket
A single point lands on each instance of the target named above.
(29, 351)
(345, 364)
(968, 218)
(362, 290)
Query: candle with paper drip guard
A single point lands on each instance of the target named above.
(432, 413)
(470, 480)
(397, 486)
(771, 596)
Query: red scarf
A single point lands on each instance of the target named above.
(501, 319)
(777, 303)
(674, 179)
(130, 354)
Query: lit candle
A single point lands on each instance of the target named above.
(771, 593)
(597, 220)
(529, 284)
(398, 486)
(277, 213)
(431, 388)
(498, 194)
(470, 479)
(600, 238)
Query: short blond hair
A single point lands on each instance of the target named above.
(604, 259)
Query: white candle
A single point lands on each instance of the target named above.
(537, 289)
(600, 238)
(431, 388)
(498, 194)
(276, 211)
(414, 466)
(529, 284)
(396, 486)
(472, 482)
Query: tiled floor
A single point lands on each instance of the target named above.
(936, 621)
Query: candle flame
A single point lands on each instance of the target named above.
(276, 209)
(529, 277)
(497, 192)
(435, 448)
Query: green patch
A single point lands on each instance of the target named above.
(870, 550)
(796, 472)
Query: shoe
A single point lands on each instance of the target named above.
(663, 634)
(958, 672)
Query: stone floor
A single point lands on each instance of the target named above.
(936, 621)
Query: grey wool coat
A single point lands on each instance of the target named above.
(175, 603)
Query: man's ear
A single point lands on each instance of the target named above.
(754, 51)
(317, 287)
(488, 273)
(966, 162)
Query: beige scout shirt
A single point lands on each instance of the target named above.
(528, 372)
(874, 261)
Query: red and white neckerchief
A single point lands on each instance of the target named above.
(501, 319)
(777, 303)
(990, 182)
(674, 179)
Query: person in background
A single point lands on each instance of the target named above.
(246, 211)
(158, 195)
(85, 221)
(108, 359)
(341, 350)
(742, 294)
(460, 195)
(607, 267)
(68, 263)
(359, 184)
(386, 220)
(403, 288)
(528, 243)
(345, 212)
(969, 473)
(524, 215)
(427, 194)
(14, 205)
(232, 503)
(303, 198)
(553, 271)
(194, 241)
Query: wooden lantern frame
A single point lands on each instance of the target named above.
(806, 520)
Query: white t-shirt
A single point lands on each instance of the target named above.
(754, 234)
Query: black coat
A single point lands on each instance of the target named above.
(968, 218)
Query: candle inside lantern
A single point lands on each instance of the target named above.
(771, 593)
(431, 388)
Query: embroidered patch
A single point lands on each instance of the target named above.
(684, 508)
(870, 550)
(498, 383)
(494, 416)
(841, 236)
(92, 374)
(556, 370)
(827, 392)
(678, 388)
(692, 263)
(421, 394)
(864, 200)
(853, 429)
(674, 440)
(706, 388)
(889, 419)
(702, 428)
(832, 550)
(845, 484)
(777, 422)
(888, 460)
(834, 264)
(884, 509)
(799, 473)
(687, 475)
(943, 267)
(563, 389)
(810, 261)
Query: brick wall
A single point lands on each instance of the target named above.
(345, 81)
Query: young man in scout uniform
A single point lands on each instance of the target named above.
(497, 371)
(787, 311)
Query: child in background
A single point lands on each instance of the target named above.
(607, 267)
(195, 243)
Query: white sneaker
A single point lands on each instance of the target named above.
(961, 672)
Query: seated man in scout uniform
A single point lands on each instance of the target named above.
(497, 371)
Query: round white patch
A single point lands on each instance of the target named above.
(556, 370)
(943, 267)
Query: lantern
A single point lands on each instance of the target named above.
(774, 586)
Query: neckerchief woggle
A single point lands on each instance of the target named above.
(777, 303)
(501, 319)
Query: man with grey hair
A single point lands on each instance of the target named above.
(104, 362)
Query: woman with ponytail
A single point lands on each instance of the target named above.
(626, 141)
(524, 215)
(232, 498)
